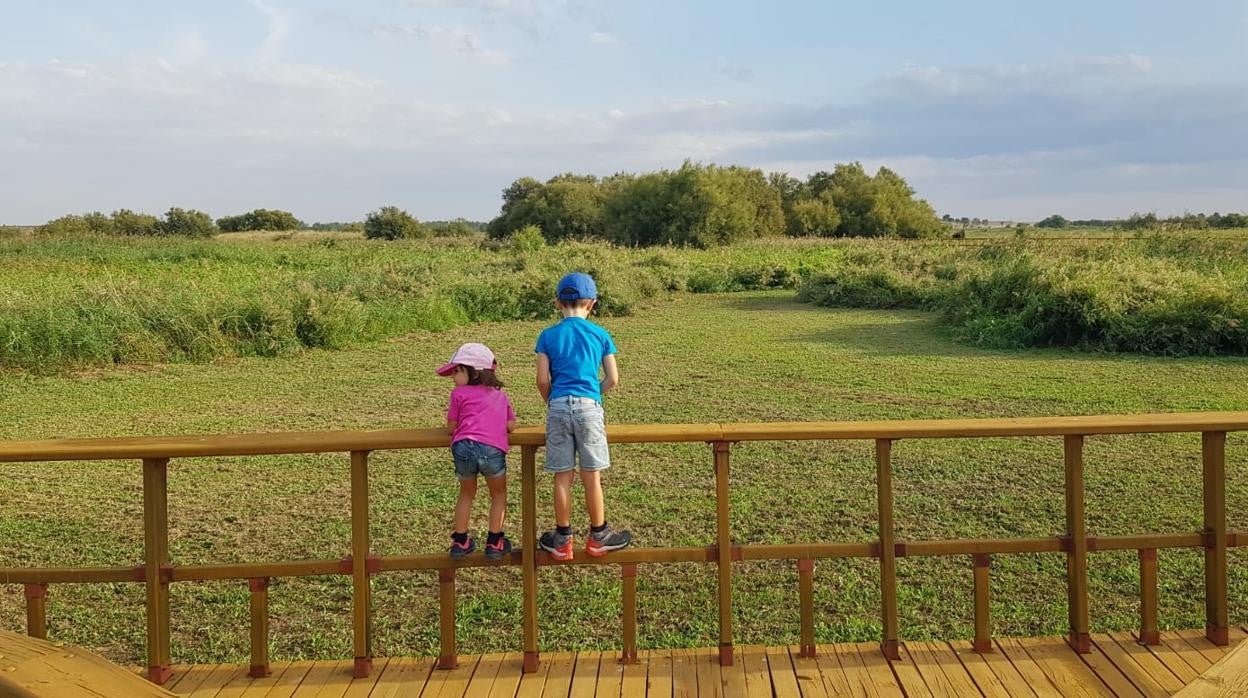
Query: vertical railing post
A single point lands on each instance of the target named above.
(259, 588)
(720, 449)
(448, 658)
(156, 557)
(1077, 551)
(983, 635)
(1149, 634)
(1213, 457)
(528, 560)
(361, 587)
(888, 559)
(806, 600)
(36, 610)
(628, 593)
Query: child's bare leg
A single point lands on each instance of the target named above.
(563, 497)
(463, 507)
(594, 505)
(498, 501)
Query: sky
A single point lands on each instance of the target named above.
(996, 109)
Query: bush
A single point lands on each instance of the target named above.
(260, 219)
(858, 287)
(127, 222)
(186, 223)
(392, 223)
(527, 239)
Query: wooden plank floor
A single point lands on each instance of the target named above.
(1031, 667)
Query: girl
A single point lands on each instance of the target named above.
(479, 419)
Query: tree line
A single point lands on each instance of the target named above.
(388, 222)
(708, 205)
(1151, 221)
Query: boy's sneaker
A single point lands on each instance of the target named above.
(460, 551)
(606, 540)
(558, 545)
(499, 550)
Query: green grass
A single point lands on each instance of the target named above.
(710, 358)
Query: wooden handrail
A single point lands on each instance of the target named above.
(192, 446)
(157, 570)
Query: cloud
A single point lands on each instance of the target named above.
(458, 41)
(603, 39)
(1001, 140)
(279, 27)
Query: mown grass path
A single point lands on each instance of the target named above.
(741, 357)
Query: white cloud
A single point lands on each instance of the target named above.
(455, 40)
(603, 39)
(279, 27)
(188, 45)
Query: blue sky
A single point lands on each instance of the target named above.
(332, 109)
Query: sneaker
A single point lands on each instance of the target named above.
(605, 541)
(559, 546)
(499, 550)
(460, 551)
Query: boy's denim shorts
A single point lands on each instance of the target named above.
(575, 427)
(474, 458)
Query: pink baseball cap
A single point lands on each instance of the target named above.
(472, 354)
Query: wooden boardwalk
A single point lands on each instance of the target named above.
(1036, 667)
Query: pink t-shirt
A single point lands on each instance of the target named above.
(482, 414)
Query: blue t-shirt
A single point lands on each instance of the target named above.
(576, 348)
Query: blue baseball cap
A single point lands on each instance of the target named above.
(577, 286)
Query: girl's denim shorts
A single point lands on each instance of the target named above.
(474, 458)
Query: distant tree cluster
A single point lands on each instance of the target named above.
(708, 205)
(177, 221)
(1151, 221)
(260, 219)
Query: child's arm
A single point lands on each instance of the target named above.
(543, 376)
(611, 373)
(511, 417)
(452, 413)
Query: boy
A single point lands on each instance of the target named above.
(569, 355)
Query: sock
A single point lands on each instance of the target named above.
(494, 537)
(599, 529)
(460, 538)
(563, 530)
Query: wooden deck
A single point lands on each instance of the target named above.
(1037, 667)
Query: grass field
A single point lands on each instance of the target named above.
(731, 357)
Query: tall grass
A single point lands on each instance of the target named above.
(68, 303)
(73, 303)
(1161, 295)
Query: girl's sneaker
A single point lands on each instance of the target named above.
(460, 551)
(558, 545)
(606, 540)
(499, 550)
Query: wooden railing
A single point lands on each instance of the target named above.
(157, 572)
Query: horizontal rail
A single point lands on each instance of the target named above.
(385, 439)
(157, 570)
(630, 556)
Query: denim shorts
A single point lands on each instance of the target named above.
(474, 458)
(575, 427)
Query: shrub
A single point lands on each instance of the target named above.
(527, 239)
(857, 287)
(127, 222)
(187, 223)
(392, 223)
(260, 219)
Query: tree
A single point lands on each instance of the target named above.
(817, 217)
(260, 219)
(186, 222)
(127, 222)
(392, 223)
(1053, 221)
(567, 206)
